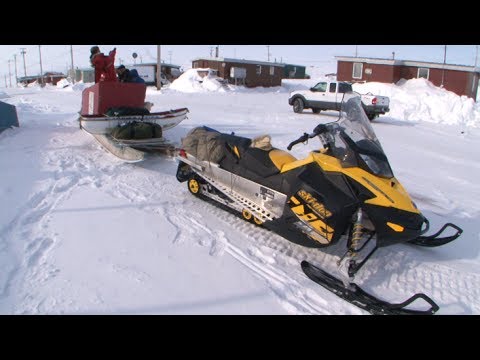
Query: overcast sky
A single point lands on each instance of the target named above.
(58, 57)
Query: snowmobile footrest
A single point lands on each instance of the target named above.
(433, 240)
(356, 296)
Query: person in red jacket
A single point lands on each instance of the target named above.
(104, 65)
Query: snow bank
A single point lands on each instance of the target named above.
(64, 83)
(79, 86)
(191, 81)
(419, 100)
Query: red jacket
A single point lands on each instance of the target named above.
(104, 67)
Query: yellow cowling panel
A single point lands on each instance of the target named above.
(295, 164)
(389, 192)
(281, 158)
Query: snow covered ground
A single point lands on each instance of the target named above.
(82, 232)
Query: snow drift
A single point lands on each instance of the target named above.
(197, 80)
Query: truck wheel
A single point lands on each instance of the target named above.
(316, 111)
(298, 105)
(371, 116)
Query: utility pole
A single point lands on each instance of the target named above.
(444, 61)
(159, 69)
(73, 69)
(476, 55)
(356, 50)
(41, 70)
(23, 52)
(268, 52)
(9, 73)
(170, 56)
(16, 76)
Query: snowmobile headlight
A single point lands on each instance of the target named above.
(395, 227)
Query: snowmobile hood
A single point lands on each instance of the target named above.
(388, 192)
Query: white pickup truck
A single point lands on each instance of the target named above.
(329, 96)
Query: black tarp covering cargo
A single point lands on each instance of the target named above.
(207, 144)
(137, 131)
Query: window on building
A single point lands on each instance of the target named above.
(333, 87)
(357, 70)
(272, 70)
(195, 64)
(423, 73)
(259, 69)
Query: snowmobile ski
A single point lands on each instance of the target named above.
(356, 296)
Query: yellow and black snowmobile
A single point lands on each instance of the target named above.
(346, 189)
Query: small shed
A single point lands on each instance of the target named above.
(86, 75)
(291, 71)
(460, 79)
(250, 73)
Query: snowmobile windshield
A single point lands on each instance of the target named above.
(353, 141)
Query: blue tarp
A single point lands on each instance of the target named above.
(8, 116)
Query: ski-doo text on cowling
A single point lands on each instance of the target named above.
(346, 189)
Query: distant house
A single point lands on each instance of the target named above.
(147, 71)
(460, 79)
(250, 73)
(47, 78)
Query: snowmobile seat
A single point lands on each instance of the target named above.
(265, 163)
(237, 145)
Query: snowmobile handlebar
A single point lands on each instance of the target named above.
(319, 129)
(301, 139)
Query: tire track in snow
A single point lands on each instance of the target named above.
(391, 272)
(287, 282)
(29, 237)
